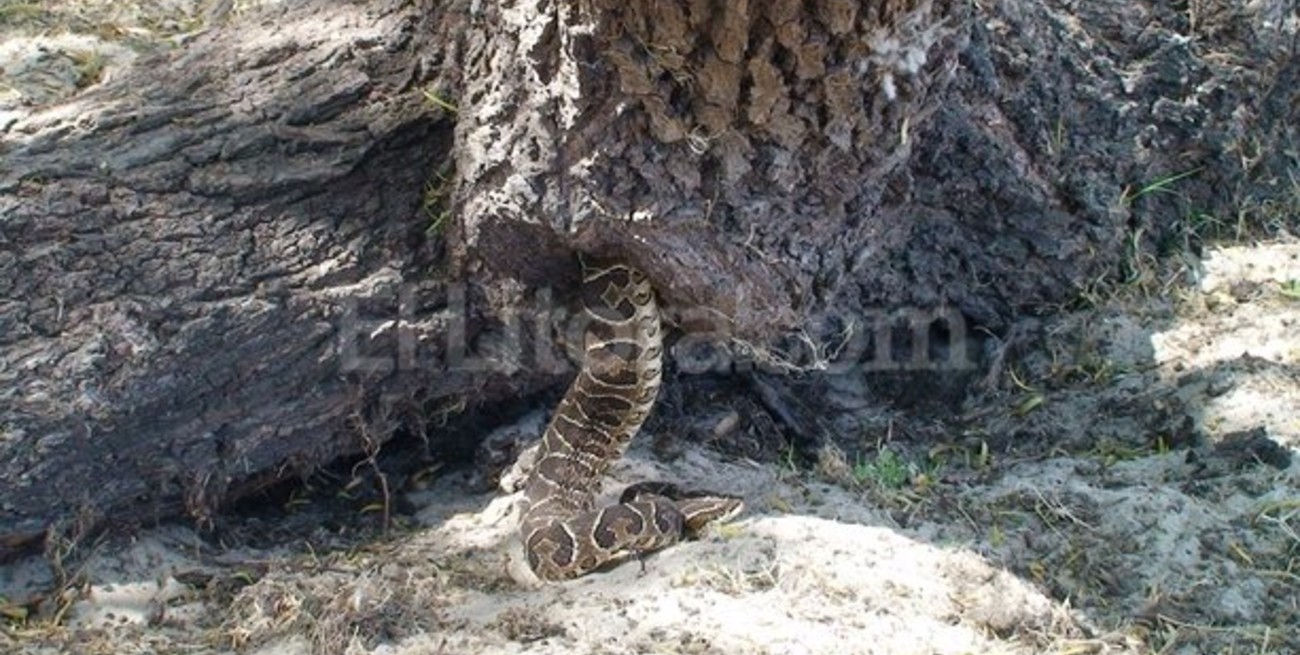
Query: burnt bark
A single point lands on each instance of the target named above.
(195, 257)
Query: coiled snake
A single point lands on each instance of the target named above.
(564, 534)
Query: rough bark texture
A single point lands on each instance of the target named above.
(781, 162)
(180, 250)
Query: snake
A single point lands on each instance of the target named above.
(565, 535)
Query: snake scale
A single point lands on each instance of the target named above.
(565, 535)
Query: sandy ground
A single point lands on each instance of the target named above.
(1126, 542)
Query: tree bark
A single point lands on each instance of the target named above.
(783, 163)
(194, 259)
(219, 270)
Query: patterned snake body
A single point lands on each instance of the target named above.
(564, 534)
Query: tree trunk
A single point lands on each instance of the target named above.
(194, 261)
(219, 268)
(781, 162)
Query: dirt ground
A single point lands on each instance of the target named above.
(1118, 536)
(1126, 483)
